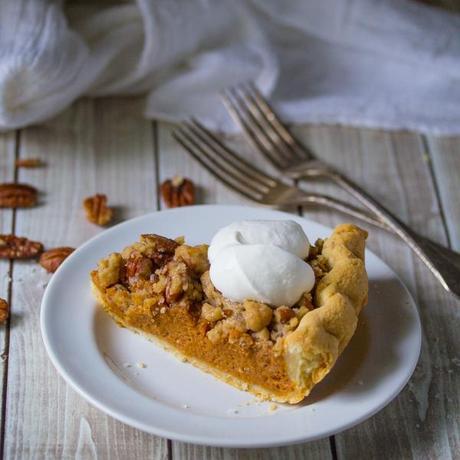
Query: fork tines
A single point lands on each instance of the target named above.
(219, 160)
(259, 122)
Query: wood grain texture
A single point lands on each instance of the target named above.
(423, 421)
(92, 147)
(173, 160)
(318, 450)
(106, 146)
(444, 154)
(7, 156)
(451, 5)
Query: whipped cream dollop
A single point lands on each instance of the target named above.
(261, 260)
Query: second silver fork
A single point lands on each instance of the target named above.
(244, 178)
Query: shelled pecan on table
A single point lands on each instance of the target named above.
(17, 247)
(97, 210)
(51, 260)
(29, 163)
(4, 310)
(178, 191)
(17, 195)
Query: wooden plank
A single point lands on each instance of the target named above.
(444, 154)
(452, 5)
(7, 158)
(104, 146)
(173, 160)
(423, 421)
(318, 450)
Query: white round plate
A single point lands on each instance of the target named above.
(173, 399)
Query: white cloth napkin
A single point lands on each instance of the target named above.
(381, 63)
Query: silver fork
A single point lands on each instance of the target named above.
(267, 133)
(244, 178)
(249, 181)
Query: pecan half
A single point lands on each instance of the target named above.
(4, 310)
(29, 163)
(17, 196)
(97, 210)
(16, 247)
(178, 191)
(51, 259)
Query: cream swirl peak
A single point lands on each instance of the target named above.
(261, 260)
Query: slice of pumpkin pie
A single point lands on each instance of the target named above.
(259, 308)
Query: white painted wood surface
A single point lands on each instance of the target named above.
(106, 146)
(93, 147)
(444, 155)
(395, 168)
(7, 155)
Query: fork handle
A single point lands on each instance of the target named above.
(443, 263)
(345, 208)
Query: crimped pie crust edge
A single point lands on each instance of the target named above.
(313, 348)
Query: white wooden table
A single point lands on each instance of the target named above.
(107, 146)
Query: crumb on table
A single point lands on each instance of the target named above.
(272, 407)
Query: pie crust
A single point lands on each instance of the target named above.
(160, 288)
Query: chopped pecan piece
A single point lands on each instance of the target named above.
(139, 266)
(180, 285)
(305, 303)
(176, 286)
(284, 314)
(4, 310)
(17, 196)
(316, 249)
(97, 210)
(158, 248)
(51, 260)
(29, 163)
(16, 247)
(203, 327)
(178, 191)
